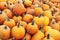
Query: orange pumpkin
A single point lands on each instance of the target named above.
(28, 18)
(48, 37)
(8, 13)
(54, 34)
(38, 11)
(38, 36)
(32, 28)
(9, 22)
(27, 3)
(19, 9)
(4, 32)
(18, 31)
(2, 17)
(54, 25)
(2, 5)
(17, 18)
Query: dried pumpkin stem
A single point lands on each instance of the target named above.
(32, 22)
(0, 12)
(48, 36)
(18, 24)
(16, 15)
(40, 15)
(8, 18)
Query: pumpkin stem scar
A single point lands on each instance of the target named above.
(5, 27)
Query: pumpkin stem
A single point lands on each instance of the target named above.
(16, 15)
(0, 12)
(8, 18)
(40, 15)
(13, 38)
(32, 22)
(40, 27)
(5, 27)
(24, 38)
(18, 2)
(18, 24)
(48, 36)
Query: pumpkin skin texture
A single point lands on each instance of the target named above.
(38, 36)
(8, 13)
(4, 31)
(19, 9)
(2, 17)
(2, 5)
(28, 18)
(32, 28)
(17, 18)
(18, 32)
(9, 22)
(54, 34)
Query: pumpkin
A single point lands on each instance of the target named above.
(8, 13)
(38, 36)
(27, 3)
(30, 11)
(32, 28)
(48, 14)
(38, 10)
(45, 6)
(2, 17)
(48, 37)
(28, 18)
(4, 32)
(54, 34)
(9, 22)
(18, 31)
(2, 5)
(54, 1)
(46, 28)
(19, 9)
(17, 18)
(58, 22)
(54, 25)
(27, 37)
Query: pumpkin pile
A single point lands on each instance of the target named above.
(29, 19)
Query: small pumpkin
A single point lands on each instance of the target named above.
(8, 13)
(48, 37)
(17, 18)
(4, 32)
(54, 25)
(27, 3)
(2, 5)
(18, 31)
(32, 28)
(38, 36)
(19, 9)
(28, 18)
(9, 22)
(55, 34)
(2, 17)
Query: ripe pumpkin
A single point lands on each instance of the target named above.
(54, 25)
(18, 31)
(32, 28)
(38, 11)
(45, 6)
(27, 3)
(48, 37)
(4, 32)
(30, 11)
(9, 22)
(46, 28)
(27, 37)
(8, 13)
(19, 9)
(2, 17)
(48, 14)
(28, 18)
(38, 36)
(54, 34)
(2, 5)
(17, 18)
